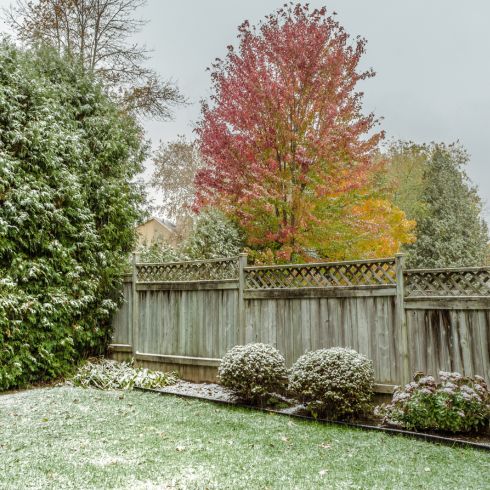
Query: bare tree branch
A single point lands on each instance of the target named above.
(97, 33)
(176, 164)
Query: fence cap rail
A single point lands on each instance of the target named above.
(448, 269)
(453, 298)
(189, 262)
(321, 264)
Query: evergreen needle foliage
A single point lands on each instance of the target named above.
(67, 213)
(434, 190)
(212, 236)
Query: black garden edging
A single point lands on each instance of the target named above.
(448, 441)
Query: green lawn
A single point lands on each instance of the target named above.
(74, 438)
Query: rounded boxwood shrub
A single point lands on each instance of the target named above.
(252, 371)
(455, 404)
(335, 382)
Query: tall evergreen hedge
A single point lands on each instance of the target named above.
(68, 204)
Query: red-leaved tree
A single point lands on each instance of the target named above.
(287, 149)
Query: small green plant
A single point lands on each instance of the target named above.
(106, 374)
(456, 404)
(253, 371)
(334, 382)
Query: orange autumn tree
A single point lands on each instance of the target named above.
(287, 150)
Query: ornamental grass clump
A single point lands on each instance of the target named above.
(336, 383)
(456, 404)
(253, 371)
(106, 374)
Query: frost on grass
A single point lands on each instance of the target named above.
(106, 374)
(71, 438)
(110, 459)
(190, 477)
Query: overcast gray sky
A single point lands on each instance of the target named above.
(432, 59)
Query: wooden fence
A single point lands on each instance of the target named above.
(185, 315)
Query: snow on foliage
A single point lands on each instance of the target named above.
(334, 382)
(456, 404)
(106, 374)
(213, 236)
(68, 158)
(252, 371)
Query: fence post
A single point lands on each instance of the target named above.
(242, 263)
(401, 323)
(135, 313)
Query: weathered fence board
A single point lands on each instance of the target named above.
(295, 326)
(185, 316)
(449, 340)
(193, 323)
(121, 321)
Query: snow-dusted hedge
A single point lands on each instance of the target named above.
(335, 382)
(456, 404)
(252, 371)
(68, 203)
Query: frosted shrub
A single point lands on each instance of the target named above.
(107, 374)
(213, 236)
(456, 404)
(335, 382)
(252, 371)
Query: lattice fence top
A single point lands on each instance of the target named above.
(469, 281)
(199, 270)
(320, 275)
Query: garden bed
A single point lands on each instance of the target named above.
(218, 394)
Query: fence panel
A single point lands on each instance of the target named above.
(197, 270)
(186, 315)
(464, 282)
(332, 274)
(295, 326)
(187, 322)
(449, 340)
